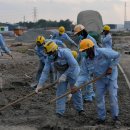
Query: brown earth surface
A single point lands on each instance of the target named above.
(34, 113)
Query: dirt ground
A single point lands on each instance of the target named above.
(34, 113)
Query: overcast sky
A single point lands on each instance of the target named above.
(112, 11)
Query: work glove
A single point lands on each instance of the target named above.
(74, 89)
(109, 71)
(38, 88)
(62, 78)
(69, 97)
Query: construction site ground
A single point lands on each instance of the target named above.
(34, 113)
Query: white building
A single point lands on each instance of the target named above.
(4, 29)
(116, 27)
(127, 25)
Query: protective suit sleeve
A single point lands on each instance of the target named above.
(59, 43)
(112, 55)
(53, 36)
(45, 73)
(3, 45)
(106, 39)
(39, 52)
(69, 39)
(83, 76)
(73, 64)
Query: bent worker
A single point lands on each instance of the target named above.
(3, 47)
(53, 70)
(75, 55)
(99, 61)
(88, 92)
(68, 70)
(61, 35)
(40, 41)
(106, 38)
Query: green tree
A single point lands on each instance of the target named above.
(42, 23)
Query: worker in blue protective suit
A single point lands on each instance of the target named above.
(40, 41)
(97, 62)
(79, 30)
(75, 55)
(53, 70)
(61, 35)
(83, 34)
(3, 47)
(68, 70)
(106, 37)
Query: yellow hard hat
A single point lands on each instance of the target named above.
(106, 28)
(78, 28)
(61, 30)
(75, 54)
(50, 46)
(86, 44)
(40, 39)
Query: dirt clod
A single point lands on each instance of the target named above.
(16, 106)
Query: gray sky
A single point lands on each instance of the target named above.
(112, 11)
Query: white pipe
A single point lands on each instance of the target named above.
(125, 76)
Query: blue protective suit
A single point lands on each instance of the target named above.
(95, 44)
(40, 52)
(103, 59)
(107, 41)
(53, 71)
(92, 39)
(58, 42)
(67, 65)
(3, 46)
(63, 37)
(42, 56)
(88, 92)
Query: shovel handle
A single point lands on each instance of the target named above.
(92, 81)
(27, 96)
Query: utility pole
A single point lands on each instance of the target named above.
(125, 13)
(24, 21)
(34, 14)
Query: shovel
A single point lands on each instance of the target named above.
(84, 85)
(27, 96)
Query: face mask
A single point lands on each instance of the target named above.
(81, 37)
(84, 54)
(60, 34)
(39, 44)
(90, 53)
(51, 57)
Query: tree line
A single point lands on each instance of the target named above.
(42, 23)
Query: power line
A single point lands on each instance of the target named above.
(34, 14)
